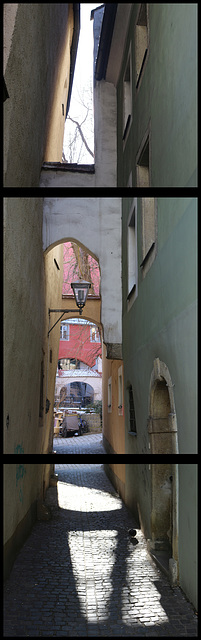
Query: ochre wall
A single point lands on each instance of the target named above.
(113, 423)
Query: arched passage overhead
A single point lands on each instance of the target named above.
(93, 223)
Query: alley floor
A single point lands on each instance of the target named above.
(89, 443)
(81, 573)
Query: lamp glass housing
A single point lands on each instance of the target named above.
(80, 290)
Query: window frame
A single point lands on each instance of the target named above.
(64, 324)
(120, 391)
(132, 431)
(149, 247)
(132, 256)
(127, 99)
(109, 391)
(141, 60)
(97, 334)
(141, 164)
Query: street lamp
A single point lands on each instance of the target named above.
(80, 290)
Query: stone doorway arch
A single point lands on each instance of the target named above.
(164, 517)
(162, 422)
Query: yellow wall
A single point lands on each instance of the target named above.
(38, 39)
(119, 470)
(53, 293)
(54, 145)
(113, 423)
(23, 485)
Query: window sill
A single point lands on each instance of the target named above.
(147, 255)
(131, 292)
(126, 127)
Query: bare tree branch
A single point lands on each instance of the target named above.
(81, 134)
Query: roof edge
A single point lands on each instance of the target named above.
(105, 40)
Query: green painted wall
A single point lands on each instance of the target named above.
(162, 321)
(138, 497)
(188, 525)
(166, 99)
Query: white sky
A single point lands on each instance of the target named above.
(83, 80)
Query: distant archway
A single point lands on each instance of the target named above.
(77, 393)
(162, 423)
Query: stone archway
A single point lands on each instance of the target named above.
(89, 222)
(164, 517)
(162, 422)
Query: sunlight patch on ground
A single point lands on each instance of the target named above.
(93, 556)
(85, 499)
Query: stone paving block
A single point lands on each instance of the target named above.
(91, 443)
(78, 574)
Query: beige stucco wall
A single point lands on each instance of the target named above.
(24, 286)
(37, 66)
(32, 285)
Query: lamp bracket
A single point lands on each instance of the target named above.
(62, 311)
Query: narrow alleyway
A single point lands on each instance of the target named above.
(81, 574)
(89, 443)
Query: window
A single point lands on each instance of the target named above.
(120, 391)
(143, 168)
(110, 395)
(149, 232)
(132, 253)
(64, 331)
(132, 421)
(127, 97)
(141, 41)
(68, 364)
(94, 334)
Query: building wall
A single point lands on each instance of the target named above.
(105, 148)
(116, 474)
(165, 102)
(113, 418)
(37, 67)
(136, 485)
(94, 223)
(188, 527)
(32, 285)
(80, 345)
(54, 282)
(24, 485)
(24, 290)
(161, 323)
(138, 494)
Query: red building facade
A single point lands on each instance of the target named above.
(80, 341)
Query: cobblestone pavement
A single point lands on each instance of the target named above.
(89, 443)
(79, 574)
